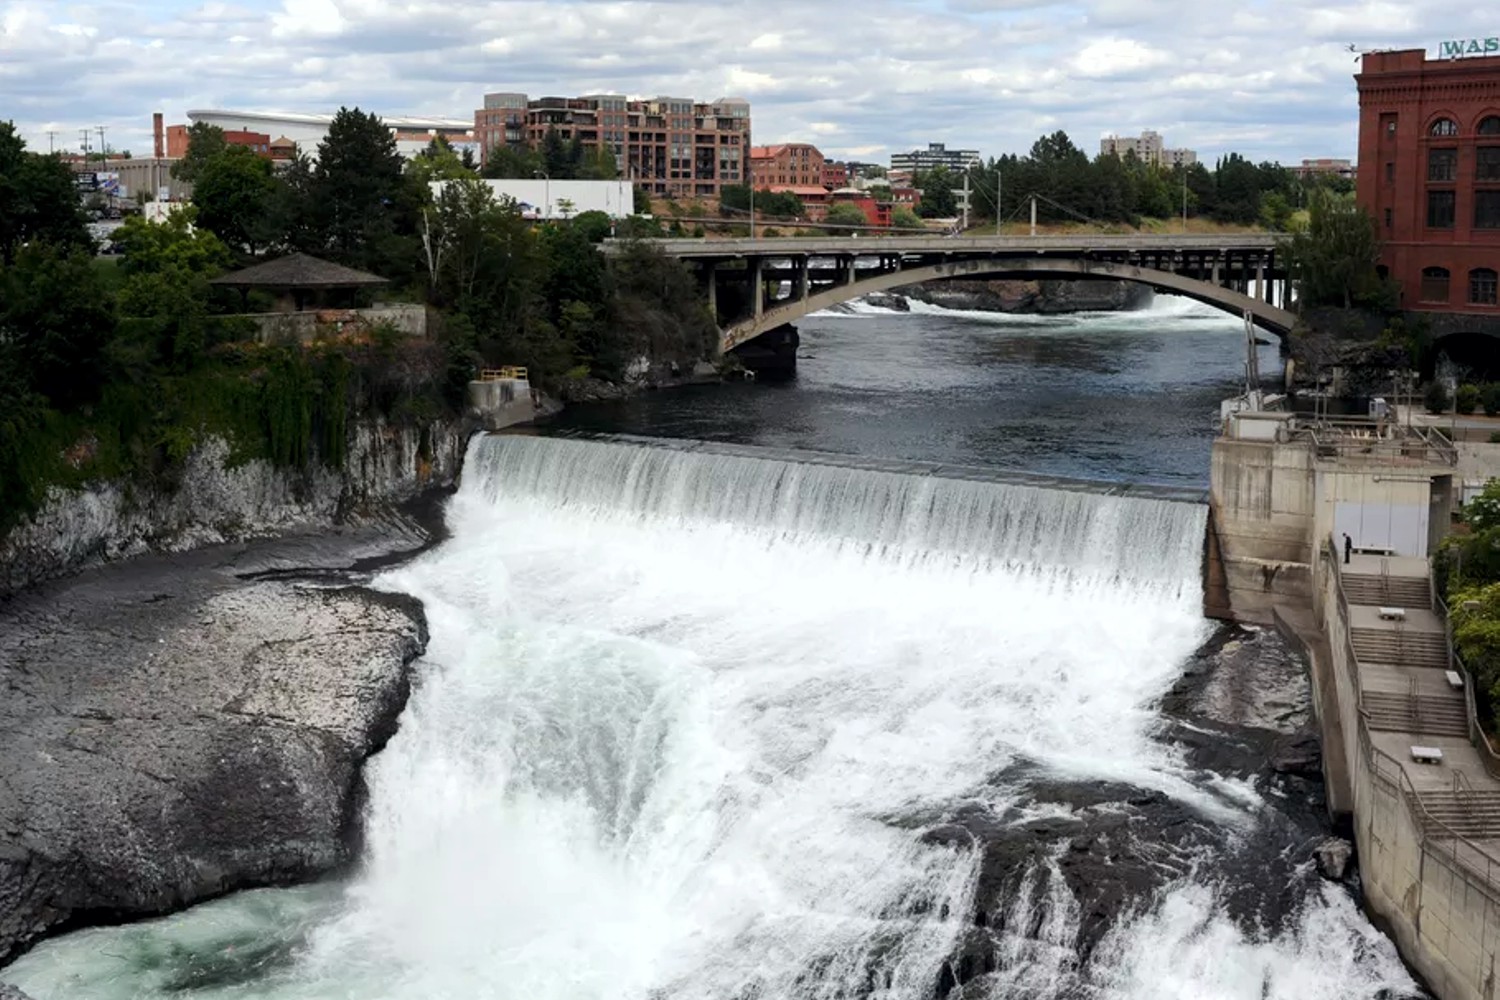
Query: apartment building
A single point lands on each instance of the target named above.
(936, 154)
(1148, 147)
(1326, 167)
(670, 146)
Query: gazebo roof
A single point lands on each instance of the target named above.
(298, 270)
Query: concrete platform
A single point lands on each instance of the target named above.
(1419, 621)
(1458, 755)
(1404, 567)
(1389, 678)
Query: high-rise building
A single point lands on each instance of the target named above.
(936, 154)
(670, 146)
(1429, 155)
(1148, 147)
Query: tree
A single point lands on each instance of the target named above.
(938, 199)
(843, 217)
(38, 199)
(1332, 262)
(365, 205)
(205, 142)
(167, 265)
(1483, 511)
(58, 316)
(555, 157)
(233, 195)
(640, 200)
(438, 162)
(511, 163)
(905, 218)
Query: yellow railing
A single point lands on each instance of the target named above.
(507, 372)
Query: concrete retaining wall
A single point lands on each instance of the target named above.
(1444, 916)
(406, 318)
(1261, 493)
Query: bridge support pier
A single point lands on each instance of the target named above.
(757, 286)
(712, 273)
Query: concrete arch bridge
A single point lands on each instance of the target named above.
(743, 279)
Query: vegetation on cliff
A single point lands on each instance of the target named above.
(1468, 571)
(117, 367)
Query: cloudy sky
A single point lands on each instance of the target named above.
(1268, 78)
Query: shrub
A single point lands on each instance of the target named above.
(1467, 399)
(1436, 398)
(1491, 397)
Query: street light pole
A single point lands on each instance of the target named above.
(1184, 199)
(546, 195)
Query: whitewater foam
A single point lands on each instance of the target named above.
(683, 721)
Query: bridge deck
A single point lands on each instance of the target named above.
(1076, 244)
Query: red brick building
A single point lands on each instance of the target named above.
(1429, 175)
(790, 164)
(835, 175)
(177, 141)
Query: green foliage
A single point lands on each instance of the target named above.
(640, 200)
(735, 202)
(1491, 399)
(1333, 260)
(843, 217)
(512, 163)
(1466, 400)
(38, 199)
(938, 199)
(439, 162)
(1482, 513)
(905, 218)
(233, 194)
(204, 143)
(58, 317)
(1475, 615)
(364, 205)
(1436, 398)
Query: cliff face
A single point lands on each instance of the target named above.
(211, 501)
(1045, 297)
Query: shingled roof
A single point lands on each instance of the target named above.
(298, 270)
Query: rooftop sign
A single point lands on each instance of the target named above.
(1463, 47)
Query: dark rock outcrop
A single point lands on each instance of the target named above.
(1334, 857)
(169, 733)
(1046, 297)
(11, 993)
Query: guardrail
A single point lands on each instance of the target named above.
(1333, 438)
(499, 374)
(1479, 867)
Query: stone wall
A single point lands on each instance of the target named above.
(213, 500)
(405, 318)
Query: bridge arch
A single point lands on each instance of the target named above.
(1265, 315)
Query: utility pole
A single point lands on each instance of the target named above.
(966, 199)
(1184, 199)
(999, 199)
(83, 135)
(752, 206)
(103, 146)
(51, 143)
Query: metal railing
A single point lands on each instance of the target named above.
(1478, 866)
(500, 374)
(1360, 437)
(1477, 734)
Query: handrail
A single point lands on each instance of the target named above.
(1477, 734)
(1487, 879)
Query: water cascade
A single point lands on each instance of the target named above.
(713, 726)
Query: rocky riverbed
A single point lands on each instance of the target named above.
(1044, 297)
(177, 727)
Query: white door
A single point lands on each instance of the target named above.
(1400, 529)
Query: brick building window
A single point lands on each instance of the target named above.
(1482, 286)
(1444, 127)
(1434, 284)
(1490, 125)
(1389, 218)
(1390, 170)
(1487, 163)
(1487, 209)
(1442, 164)
(1440, 209)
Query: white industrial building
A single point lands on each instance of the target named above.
(541, 198)
(307, 130)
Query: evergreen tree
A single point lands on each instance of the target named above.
(205, 142)
(38, 199)
(365, 205)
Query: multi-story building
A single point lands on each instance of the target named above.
(1325, 167)
(1148, 147)
(256, 142)
(1429, 150)
(835, 175)
(788, 164)
(670, 146)
(935, 155)
(307, 131)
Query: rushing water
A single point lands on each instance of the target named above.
(715, 726)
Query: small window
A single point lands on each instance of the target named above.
(1388, 222)
(1390, 170)
(1444, 127)
(1434, 284)
(1442, 164)
(1489, 126)
(1487, 209)
(1440, 209)
(1487, 163)
(1482, 286)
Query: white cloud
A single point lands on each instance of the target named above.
(891, 74)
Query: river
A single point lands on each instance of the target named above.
(730, 723)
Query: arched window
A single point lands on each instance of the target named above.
(1444, 127)
(1490, 125)
(1482, 286)
(1434, 284)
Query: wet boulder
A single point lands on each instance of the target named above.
(1334, 857)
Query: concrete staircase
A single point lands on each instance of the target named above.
(1429, 715)
(1471, 814)
(1387, 591)
(1406, 648)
